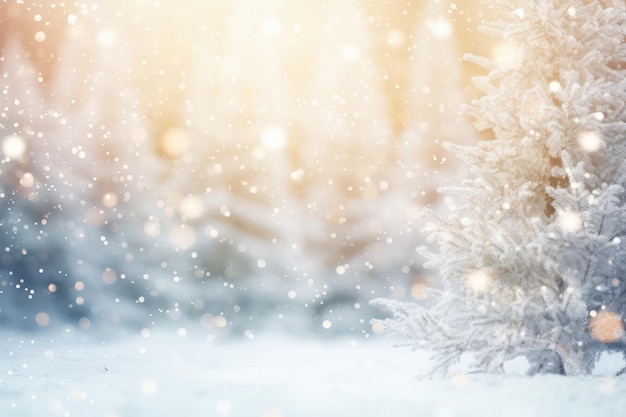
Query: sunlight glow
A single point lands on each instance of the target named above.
(271, 27)
(350, 53)
(107, 38)
(395, 38)
(441, 28)
(505, 53)
(274, 138)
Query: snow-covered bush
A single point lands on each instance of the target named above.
(532, 256)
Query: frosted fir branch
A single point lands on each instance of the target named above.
(484, 85)
(494, 29)
(410, 319)
(428, 331)
(481, 61)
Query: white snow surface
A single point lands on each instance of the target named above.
(274, 376)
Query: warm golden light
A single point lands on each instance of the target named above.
(350, 53)
(271, 26)
(40, 36)
(174, 143)
(441, 28)
(28, 180)
(109, 200)
(273, 138)
(419, 286)
(187, 122)
(107, 38)
(505, 53)
(554, 86)
(418, 291)
(395, 38)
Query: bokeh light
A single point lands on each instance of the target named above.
(590, 141)
(13, 147)
(191, 207)
(42, 319)
(478, 281)
(606, 326)
(570, 221)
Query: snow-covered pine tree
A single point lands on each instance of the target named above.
(532, 257)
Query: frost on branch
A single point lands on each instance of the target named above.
(532, 258)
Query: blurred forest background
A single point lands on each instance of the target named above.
(225, 166)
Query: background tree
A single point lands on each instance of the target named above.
(344, 148)
(33, 271)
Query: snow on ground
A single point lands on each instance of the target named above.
(273, 376)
